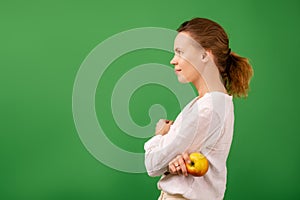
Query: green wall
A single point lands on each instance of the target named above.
(42, 46)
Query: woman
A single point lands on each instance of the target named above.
(203, 58)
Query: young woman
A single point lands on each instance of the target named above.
(202, 57)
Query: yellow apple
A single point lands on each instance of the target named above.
(198, 165)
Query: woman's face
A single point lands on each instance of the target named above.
(187, 59)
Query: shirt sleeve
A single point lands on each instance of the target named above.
(160, 150)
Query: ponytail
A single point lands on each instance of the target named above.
(239, 73)
(235, 70)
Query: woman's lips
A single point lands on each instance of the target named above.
(177, 71)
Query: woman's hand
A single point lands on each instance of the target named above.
(177, 165)
(163, 126)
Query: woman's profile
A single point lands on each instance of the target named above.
(202, 57)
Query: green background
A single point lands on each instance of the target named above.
(43, 44)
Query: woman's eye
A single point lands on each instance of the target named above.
(179, 52)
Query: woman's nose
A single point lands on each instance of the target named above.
(173, 61)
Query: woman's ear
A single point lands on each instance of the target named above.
(205, 56)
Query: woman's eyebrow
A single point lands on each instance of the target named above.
(177, 49)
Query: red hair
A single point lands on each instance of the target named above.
(235, 70)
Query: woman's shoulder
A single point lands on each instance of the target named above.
(213, 101)
(214, 98)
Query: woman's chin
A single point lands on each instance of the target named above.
(182, 79)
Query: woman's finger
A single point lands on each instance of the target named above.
(179, 164)
(160, 123)
(163, 126)
(182, 166)
(172, 168)
(186, 158)
(178, 169)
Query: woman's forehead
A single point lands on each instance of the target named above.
(184, 40)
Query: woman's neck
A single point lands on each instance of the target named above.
(201, 87)
(209, 81)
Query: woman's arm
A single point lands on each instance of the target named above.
(161, 150)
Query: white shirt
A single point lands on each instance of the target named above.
(205, 125)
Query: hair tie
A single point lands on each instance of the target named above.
(229, 51)
(229, 61)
